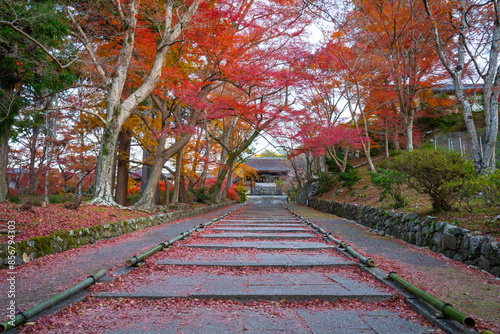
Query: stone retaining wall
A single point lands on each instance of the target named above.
(424, 231)
(60, 241)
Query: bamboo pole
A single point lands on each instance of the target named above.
(363, 259)
(30, 313)
(445, 308)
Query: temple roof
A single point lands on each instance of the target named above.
(269, 164)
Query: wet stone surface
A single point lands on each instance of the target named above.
(251, 283)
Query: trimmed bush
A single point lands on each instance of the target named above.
(441, 175)
(242, 193)
(349, 178)
(326, 181)
(390, 182)
(486, 186)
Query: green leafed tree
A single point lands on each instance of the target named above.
(34, 61)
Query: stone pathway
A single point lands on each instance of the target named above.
(260, 278)
(273, 263)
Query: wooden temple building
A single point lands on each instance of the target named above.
(271, 177)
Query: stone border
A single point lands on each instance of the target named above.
(453, 242)
(61, 241)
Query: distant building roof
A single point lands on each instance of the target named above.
(450, 89)
(269, 164)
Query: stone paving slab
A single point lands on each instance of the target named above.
(250, 235)
(295, 260)
(264, 229)
(260, 225)
(353, 322)
(261, 221)
(251, 287)
(265, 245)
(62, 270)
(201, 320)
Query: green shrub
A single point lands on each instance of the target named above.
(439, 174)
(326, 181)
(375, 151)
(395, 153)
(292, 196)
(488, 185)
(14, 199)
(349, 178)
(202, 196)
(132, 199)
(390, 182)
(242, 193)
(58, 198)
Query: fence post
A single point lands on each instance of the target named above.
(481, 146)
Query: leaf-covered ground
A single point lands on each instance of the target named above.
(468, 289)
(99, 315)
(480, 220)
(43, 221)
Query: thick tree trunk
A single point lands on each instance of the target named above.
(147, 167)
(395, 141)
(182, 189)
(118, 112)
(124, 141)
(408, 133)
(4, 154)
(103, 193)
(228, 182)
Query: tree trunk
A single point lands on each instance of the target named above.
(408, 133)
(386, 140)
(366, 146)
(164, 154)
(146, 169)
(124, 141)
(215, 190)
(177, 178)
(182, 189)
(33, 175)
(228, 182)
(395, 141)
(491, 78)
(208, 149)
(167, 192)
(105, 173)
(4, 154)
(118, 112)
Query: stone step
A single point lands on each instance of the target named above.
(290, 260)
(261, 221)
(251, 287)
(264, 229)
(259, 225)
(264, 245)
(254, 319)
(250, 235)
